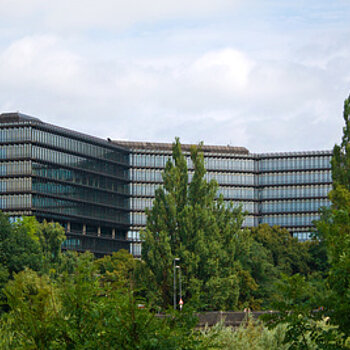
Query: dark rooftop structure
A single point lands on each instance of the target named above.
(159, 146)
(17, 117)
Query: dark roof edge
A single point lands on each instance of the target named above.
(159, 146)
(17, 117)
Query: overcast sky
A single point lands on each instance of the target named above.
(270, 75)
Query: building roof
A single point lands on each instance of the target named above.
(159, 146)
(17, 117)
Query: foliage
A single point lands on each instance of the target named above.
(307, 325)
(118, 268)
(341, 153)
(286, 253)
(188, 221)
(51, 236)
(79, 312)
(251, 335)
(334, 230)
(30, 244)
(273, 252)
(32, 321)
(18, 249)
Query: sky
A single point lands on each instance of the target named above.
(269, 75)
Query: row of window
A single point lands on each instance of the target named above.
(147, 189)
(294, 205)
(95, 244)
(308, 162)
(295, 191)
(250, 207)
(66, 207)
(80, 178)
(16, 184)
(149, 160)
(74, 145)
(302, 236)
(238, 192)
(66, 159)
(290, 220)
(15, 201)
(159, 161)
(140, 204)
(143, 189)
(295, 178)
(231, 178)
(238, 164)
(135, 249)
(230, 164)
(15, 151)
(15, 134)
(250, 221)
(15, 168)
(152, 175)
(149, 175)
(140, 219)
(72, 243)
(133, 235)
(80, 193)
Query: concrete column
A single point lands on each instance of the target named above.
(84, 229)
(113, 233)
(68, 226)
(99, 231)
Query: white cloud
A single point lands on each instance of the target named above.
(267, 91)
(70, 14)
(40, 62)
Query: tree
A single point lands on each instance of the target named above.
(18, 249)
(297, 302)
(190, 222)
(51, 237)
(78, 310)
(118, 268)
(334, 230)
(32, 320)
(286, 253)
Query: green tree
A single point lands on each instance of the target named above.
(18, 249)
(297, 302)
(190, 222)
(334, 230)
(32, 320)
(51, 236)
(286, 253)
(78, 311)
(118, 268)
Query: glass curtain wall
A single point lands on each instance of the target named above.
(58, 174)
(292, 189)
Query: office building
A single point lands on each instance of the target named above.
(57, 174)
(98, 190)
(285, 189)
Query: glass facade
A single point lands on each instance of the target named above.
(292, 188)
(99, 189)
(285, 189)
(58, 174)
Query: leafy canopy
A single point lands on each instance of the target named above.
(191, 222)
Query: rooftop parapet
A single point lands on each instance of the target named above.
(159, 146)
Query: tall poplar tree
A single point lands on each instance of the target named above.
(190, 222)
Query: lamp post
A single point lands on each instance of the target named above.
(175, 260)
